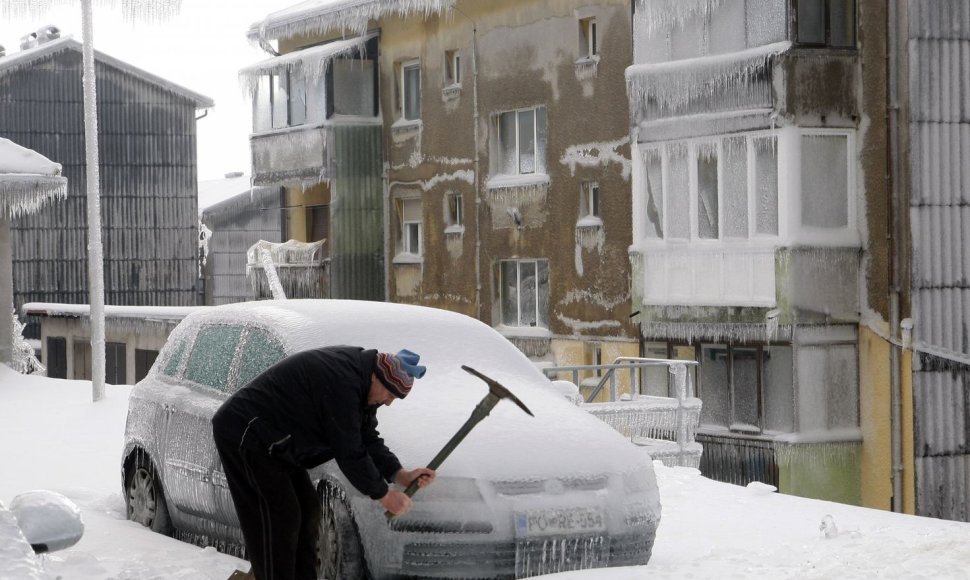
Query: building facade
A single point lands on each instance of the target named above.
(473, 155)
(147, 134)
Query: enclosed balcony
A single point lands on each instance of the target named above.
(298, 99)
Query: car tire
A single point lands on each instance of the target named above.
(144, 497)
(340, 554)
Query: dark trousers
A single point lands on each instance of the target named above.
(278, 510)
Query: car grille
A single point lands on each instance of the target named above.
(527, 486)
(521, 558)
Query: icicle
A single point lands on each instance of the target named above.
(711, 331)
(345, 16)
(662, 16)
(25, 195)
(313, 62)
(205, 234)
(771, 325)
(133, 10)
(517, 193)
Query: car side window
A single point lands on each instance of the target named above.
(212, 355)
(177, 352)
(261, 352)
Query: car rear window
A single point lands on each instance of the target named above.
(261, 352)
(212, 355)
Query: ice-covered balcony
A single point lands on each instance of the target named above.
(299, 97)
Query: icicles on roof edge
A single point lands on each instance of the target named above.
(350, 15)
(313, 62)
(22, 195)
(133, 10)
(673, 84)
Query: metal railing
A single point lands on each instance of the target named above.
(666, 426)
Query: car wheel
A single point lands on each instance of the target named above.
(340, 555)
(144, 498)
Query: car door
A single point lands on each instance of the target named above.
(190, 452)
(260, 350)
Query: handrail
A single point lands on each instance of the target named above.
(631, 363)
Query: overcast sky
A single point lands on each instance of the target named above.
(202, 49)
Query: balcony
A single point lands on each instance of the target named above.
(298, 100)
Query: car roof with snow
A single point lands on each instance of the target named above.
(508, 444)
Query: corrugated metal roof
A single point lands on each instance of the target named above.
(24, 58)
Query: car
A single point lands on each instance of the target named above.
(519, 496)
(36, 522)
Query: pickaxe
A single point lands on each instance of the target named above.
(496, 392)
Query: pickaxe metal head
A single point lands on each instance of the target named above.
(496, 389)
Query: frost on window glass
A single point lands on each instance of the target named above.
(280, 100)
(715, 388)
(296, 108)
(779, 390)
(527, 142)
(766, 22)
(212, 355)
(678, 192)
(263, 117)
(766, 185)
(654, 194)
(707, 192)
(744, 369)
(507, 143)
(735, 170)
(842, 381)
(175, 358)
(353, 87)
(825, 182)
(260, 353)
(525, 293)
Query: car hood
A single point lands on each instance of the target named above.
(560, 440)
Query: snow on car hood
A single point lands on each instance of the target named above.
(560, 440)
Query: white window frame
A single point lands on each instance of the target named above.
(589, 38)
(405, 66)
(518, 153)
(452, 67)
(693, 146)
(589, 199)
(815, 236)
(454, 220)
(406, 227)
(518, 284)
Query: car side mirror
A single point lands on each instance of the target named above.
(48, 520)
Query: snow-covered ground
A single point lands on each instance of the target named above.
(53, 437)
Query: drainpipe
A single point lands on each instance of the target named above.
(478, 198)
(896, 206)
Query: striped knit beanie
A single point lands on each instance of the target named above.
(398, 371)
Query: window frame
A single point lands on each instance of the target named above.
(452, 68)
(454, 213)
(693, 147)
(848, 235)
(827, 16)
(588, 38)
(404, 239)
(498, 152)
(404, 67)
(589, 200)
(541, 318)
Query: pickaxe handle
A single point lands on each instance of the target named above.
(496, 392)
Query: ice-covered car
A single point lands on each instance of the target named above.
(35, 523)
(520, 496)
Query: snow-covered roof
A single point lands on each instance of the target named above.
(215, 191)
(324, 16)
(28, 180)
(55, 310)
(313, 61)
(25, 58)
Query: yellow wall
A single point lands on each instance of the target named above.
(578, 352)
(297, 199)
(875, 411)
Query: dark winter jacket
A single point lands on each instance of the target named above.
(309, 408)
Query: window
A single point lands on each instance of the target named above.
(281, 101)
(524, 293)
(453, 212)
(520, 142)
(176, 353)
(144, 359)
(719, 189)
(825, 181)
(409, 211)
(318, 226)
(452, 67)
(55, 357)
(261, 352)
(115, 363)
(826, 23)
(212, 356)
(747, 388)
(589, 203)
(411, 90)
(588, 47)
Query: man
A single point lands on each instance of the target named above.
(309, 408)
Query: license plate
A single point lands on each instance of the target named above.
(558, 521)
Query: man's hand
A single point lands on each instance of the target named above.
(396, 502)
(404, 477)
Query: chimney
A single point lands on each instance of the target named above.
(47, 33)
(28, 41)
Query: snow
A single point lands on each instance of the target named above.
(215, 191)
(48, 518)
(315, 17)
(709, 529)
